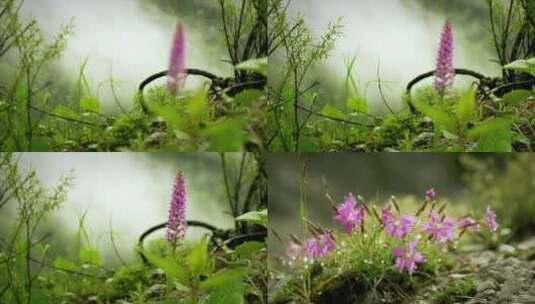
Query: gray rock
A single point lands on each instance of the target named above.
(497, 275)
(155, 290)
(507, 249)
(155, 139)
(423, 139)
(484, 285)
(527, 245)
(487, 294)
(510, 288)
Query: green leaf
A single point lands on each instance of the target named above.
(90, 104)
(63, 111)
(226, 135)
(247, 249)
(198, 259)
(466, 107)
(171, 268)
(522, 65)
(516, 97)
(248, 96)
(256, 217)
(231, 292)
(259, 65)
(493, 135)
(64, 264)
(357, 104)
(90, 256)
(331, 111)
(198, 108)
(439, 115)
(223, 278)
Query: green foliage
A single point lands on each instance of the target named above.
(496, 115)
(203, 271)
(522, 65)
(508, 188)
(24, 245)
(259, 66)
(255, 217)
(455, 291)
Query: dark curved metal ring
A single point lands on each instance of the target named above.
(153, 77)
(423, 76)
(215, 232)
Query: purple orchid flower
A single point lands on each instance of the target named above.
(490, 219)
(397, 227)
(176, 76)
(440, 229)
(445, 71)
(349, 214)
(408, 258)
(176, 223)
(320, 246)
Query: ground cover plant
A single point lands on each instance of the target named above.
(382, 255)
(223, 266)
(494, 114)
(223, 114)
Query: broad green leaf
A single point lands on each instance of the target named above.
(232, 292)
(493, 135)
(248, 96)
(226, 135)
(64, 264)
(198, 259)
(171, 268)
(357, 104)
(247, 249)
(331, 111)
(90, 104)
(90, 256)
(259, 65)
(466, 107)
(198, 108)
(223, 278)
(439, 115)
(523, 65)
(308, 144)
(63, 111)
(257, 217)
(517, 97)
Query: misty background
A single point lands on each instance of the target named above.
(372, 175)
(127, 41)
(398, 37)
(127, 193)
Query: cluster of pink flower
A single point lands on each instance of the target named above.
(352, 215)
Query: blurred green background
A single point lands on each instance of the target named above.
(124, 41)
(468, 181)
(398, 37)
(126, 193)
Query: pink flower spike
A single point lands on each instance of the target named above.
(408, 258)
(176, 223)
(430, 194)
(490, 219)
(177, 63)
(349, 214)
(445, 72)
(440, 230)
(468, 223)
